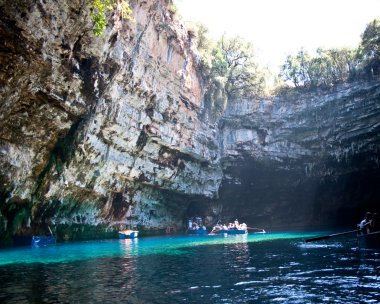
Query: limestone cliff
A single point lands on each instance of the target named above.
(303, 159)
(100, 130)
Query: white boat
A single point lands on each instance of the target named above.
(128, 234)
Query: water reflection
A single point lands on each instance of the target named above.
(236, 269)
(129, 246)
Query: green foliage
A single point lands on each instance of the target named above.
(172, 8)
(369, 49)
(234, 60)
(230, 63)
(331, 66)
(229, 69)
(203, 40)
(326, 68)
(100, 8)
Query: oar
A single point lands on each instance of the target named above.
(51, 233)
(251, 228)
(329, 236)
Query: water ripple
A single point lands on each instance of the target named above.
(192, 270)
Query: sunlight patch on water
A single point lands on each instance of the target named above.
(318, 246)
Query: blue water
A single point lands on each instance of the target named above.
(271, 268)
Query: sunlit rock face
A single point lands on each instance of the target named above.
(101, 131)
(98, 130)
(303, 159)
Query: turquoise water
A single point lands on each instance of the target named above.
(171, 245)
(269, 268)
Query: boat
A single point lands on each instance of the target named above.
(34, 240)
(369, 240)
(231, 231)
(196, 226)
(43, 240)
(199, 231)
(128, 234)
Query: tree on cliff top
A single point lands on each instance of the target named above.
(331, 66)
(369, 49)
(232, 61)
(230, 71)
(326, 68)
(100, 8)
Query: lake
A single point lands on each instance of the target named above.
(269, 268)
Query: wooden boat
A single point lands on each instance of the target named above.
(197, 231)
(43, 240)
(128, 234)
(231, 231)
(34, 240)
(369, 240)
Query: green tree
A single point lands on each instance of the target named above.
(100, 8)
(230, 71)
(326, 68)
(234, 60)
(369, 49)
(296, 68)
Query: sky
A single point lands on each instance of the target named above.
(277, 28)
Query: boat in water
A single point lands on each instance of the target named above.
(43, 240)
(128, 234)
(34, 240)
(234, 229)
(368, 231)
(369, 240)
(196, 226)
(231, 231)
(199, 231)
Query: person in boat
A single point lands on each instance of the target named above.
(230, 226)
(236, 224)
(218, 227)
(243, 226)
(364, 226)
(190, 224)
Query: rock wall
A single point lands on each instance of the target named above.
(98, 130)
(303, 159)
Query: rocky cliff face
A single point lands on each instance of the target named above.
(303, 159)
(100, 130)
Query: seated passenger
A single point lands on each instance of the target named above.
(365, 223)
(243, 226)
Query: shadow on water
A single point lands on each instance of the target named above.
(278, 268)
